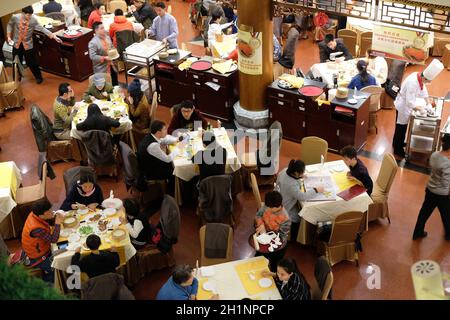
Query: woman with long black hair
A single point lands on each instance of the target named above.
(290, 281)
(363, 78)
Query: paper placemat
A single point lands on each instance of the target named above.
(341, 180)
(251, 286)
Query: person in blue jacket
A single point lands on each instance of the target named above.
(363, 78)
(182, 285)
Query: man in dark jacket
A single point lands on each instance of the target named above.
(331, 45)
(213, 159)
(187, 118)
(357, 168)
(98, 262)
(51, 6)
(143, 12)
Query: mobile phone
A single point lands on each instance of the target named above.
(62, 244)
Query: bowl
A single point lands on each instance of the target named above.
(118, 235)
(83, 211)
(112, 203)
(70, 222)
(109, 212)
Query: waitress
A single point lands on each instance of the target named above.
(412, 88)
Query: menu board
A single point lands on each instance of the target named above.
(250, 51)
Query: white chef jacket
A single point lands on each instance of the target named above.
(406, 98)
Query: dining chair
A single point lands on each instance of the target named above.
(381, 188)
(252, 162)
(72, 175)
(210, 235)
(256, 194)
(312, 150)
(102, 155)
(374, 104)
(324, 280)
(342, 242)
(350, 39)
(365, 43)
(117, 4)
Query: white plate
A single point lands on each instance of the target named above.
(352, 101)
(74, 237)
(112, 203)
(82, 211)
(264, 238)
(265, 282)
(114, 223)
(209, 286)
(109, 212)
(91, 215)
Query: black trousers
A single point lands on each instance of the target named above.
(399, 136)
(30, 58)
(114, 77)
(430, 203)
(273, 257)
(295, 226)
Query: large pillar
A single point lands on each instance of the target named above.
(255, 61)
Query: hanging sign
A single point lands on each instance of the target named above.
(400, 43)
(250, 51)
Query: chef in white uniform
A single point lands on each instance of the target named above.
(412, 88)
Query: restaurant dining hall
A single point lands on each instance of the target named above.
(231, 150)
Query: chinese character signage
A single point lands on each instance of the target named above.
(250, 51)
(400, 43)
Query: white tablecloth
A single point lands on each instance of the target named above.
(68, 9)
(125, 122)
(7, 202)
(108, 19)
(346, 70)
(320, 211)
(229, 285)
(185, 169)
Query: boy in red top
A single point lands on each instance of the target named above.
(120, 23)
(96, 15)
(273, 217)
(37, 237)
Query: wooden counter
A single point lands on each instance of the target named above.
(301, 116)
(174, 86)
(69, 59)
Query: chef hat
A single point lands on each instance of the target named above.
(433, 69)
(99, 80)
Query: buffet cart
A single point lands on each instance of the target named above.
(424, 130)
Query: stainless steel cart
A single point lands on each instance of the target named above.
(424, 132)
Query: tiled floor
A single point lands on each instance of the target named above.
(388, 246)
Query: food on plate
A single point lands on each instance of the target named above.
(295, 82)
(245, 49)
(163, 55)
(105, 109)
(95, 217)
(342, 93)
(85, 230)
(172, 51)
(414, 53)
(102, 225)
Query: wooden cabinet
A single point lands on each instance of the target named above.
(69, 59)
(301, 116)
(213, 94)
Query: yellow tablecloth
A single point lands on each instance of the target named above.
(231, 286)
(319, 211)
(124, 248)
(10, 179)
(256, 267)
(183, 166)
(116, 108)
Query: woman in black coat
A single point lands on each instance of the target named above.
(85, 193)
(290, 281)
(97, 121)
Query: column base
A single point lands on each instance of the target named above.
(246, 119)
